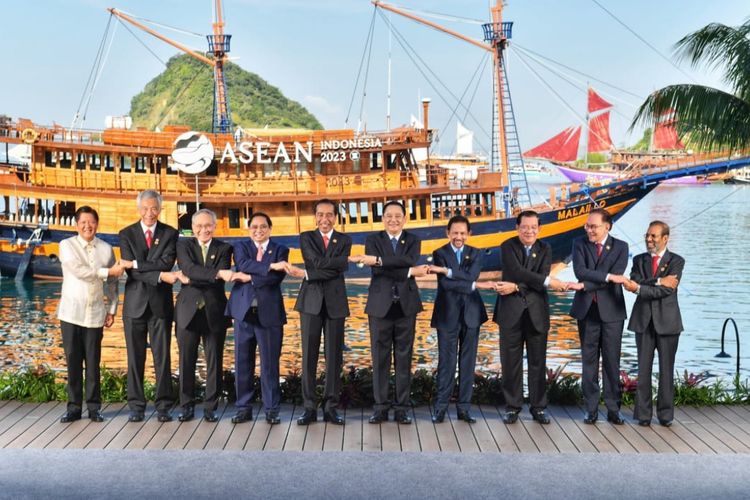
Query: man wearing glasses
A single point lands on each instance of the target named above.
(599, 261)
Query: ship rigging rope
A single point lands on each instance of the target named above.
(141, 41)
(422, 66)
(438, 15)
(94, 68)
(166, 26)
(367, 49)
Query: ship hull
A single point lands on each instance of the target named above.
(581, 175)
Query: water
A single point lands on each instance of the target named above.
(710, 227)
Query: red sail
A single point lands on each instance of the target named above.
(665, 135)
(599, 139)
(596, 102)
(562, 147)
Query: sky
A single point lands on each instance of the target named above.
(312, 51)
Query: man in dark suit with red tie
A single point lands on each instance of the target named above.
(148, 250)
(257, 307)
(392, 306)
(656, 321)
(458, 313)
(599, 261)
(522, 311)
(204, 263)
(323, 307)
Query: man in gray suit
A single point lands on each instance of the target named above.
(656, 321)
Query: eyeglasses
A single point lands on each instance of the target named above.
(262, 227)
(592, 227)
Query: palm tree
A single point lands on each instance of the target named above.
(711, 118)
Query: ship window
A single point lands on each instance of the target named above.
(412, 209)
(234, 218)
(316, 163)
(213, 168)
(356, 165)
(363, 212)
(65, 159)
(81, 161)
(108, 165)
(377, 212)
(50, 158)
(391, 162)
(342, 213)
(423, 208)
(374, 164)
(352, 213)
(95, 162)
(125, 162)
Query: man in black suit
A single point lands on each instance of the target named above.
(204, 263)
(392, 306)
(323, 307)
(598, 262)
(458, 313)
(148, 250)
(656, 321)
(522, 311)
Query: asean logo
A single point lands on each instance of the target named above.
(193, 152)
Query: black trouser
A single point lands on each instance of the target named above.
(459, 344)
(666, 345)
(333, 345)
(512, 341)
(82, 344)
(605, 338)
(158, 332)
(392, 336)
(188, 339)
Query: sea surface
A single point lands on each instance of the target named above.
(710, 229)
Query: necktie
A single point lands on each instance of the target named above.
(394, 244)
(654, 264)
(204, 251)
(598, 250)
(458, 255)
(528, 251)
(149, 238)
(259, 255)
(325, 241)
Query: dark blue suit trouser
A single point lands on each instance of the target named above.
(247, 335)
(460, 342)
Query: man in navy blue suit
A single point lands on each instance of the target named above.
(257, 307)
(457, 315)
(599, 261)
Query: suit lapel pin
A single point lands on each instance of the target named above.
(156, 241)
(607, 247)
(663, 268)
(213, 256)
(403, 242)
(533, 256)
(334, 240)
(269, 252)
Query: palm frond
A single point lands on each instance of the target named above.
(714, 119)
(721, 47)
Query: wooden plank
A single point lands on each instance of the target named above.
(15, 414)
(557, 436)
(258, 436)
(223, 431)
(571, 431)
(686, 419)
(630, 433)
(371, 440)
(499, 431)
(240, 434)
(182, 433)
(8, 408)
(51, 435)
(106, 435)
(428, 440)
(521, 437)
(295, 437)
(409, 435)
(613, 435)
(538, 434)
(446, 435)
(353, 429)
(81, 437)
(467, 443)
(277, 435)
(717, 428)
(591, 432)
(741, 431)
(334, 437)
(144, 435)
(127, 432)
(23, 421)
(315, 435)
(679, 433)
(51, 419)
(163, 435)
(740, 420)
(482, 435)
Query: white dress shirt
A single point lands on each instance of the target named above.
(85, 282)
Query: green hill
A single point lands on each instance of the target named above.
(183, 95)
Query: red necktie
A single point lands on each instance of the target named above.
(598, 250)
(149, 239)
(654, 264)
(259, 255)
(325, 241)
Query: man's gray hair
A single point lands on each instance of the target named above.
(149, 194)
(206, 211)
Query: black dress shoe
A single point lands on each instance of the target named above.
(135, 416)
(438, 417)
(665, 423)
(96, 416)
(591, 418)
(401, 417)
(188, 413)
(273, 418)
(163, 416)
(615, 418)
(308, 417)
(510, 417)
(70, 416)
(540, 416)
(242, 416)
(644, 423)
(210, 416)
(379, 416)
(333, 416)
(466, 417)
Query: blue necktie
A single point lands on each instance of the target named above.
(528, 251)
(394, 244)
(458, 255)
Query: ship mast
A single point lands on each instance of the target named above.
(218, 47)
(496, 35)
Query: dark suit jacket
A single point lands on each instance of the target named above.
(454, 294)
(142, 286)
(325, 274)
(265, 285)
(656, 302)
(529, 274)
(394, 271)
(204, 286)
(593, 274)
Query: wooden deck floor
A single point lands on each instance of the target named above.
(706, 430)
